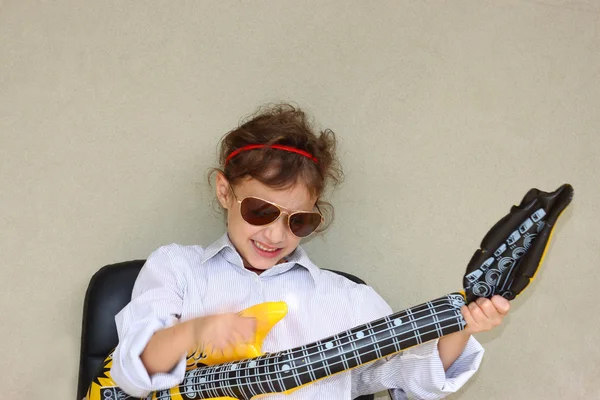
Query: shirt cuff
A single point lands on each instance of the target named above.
(128, 371)
(427, 379)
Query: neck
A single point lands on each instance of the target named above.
(260, 271)
(252, 269)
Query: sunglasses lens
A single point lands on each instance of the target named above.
(258, 212)
(303, 224)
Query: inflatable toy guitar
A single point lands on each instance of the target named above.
(509, 258)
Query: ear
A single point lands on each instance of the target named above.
(223, 191)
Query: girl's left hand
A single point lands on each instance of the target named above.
(484, 314)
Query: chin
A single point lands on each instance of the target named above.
(265, 262)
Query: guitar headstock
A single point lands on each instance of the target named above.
(513, 250)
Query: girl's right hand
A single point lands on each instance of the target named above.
(220, 332)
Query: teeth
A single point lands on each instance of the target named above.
(260, 246)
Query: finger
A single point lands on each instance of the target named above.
(247, 328)
(466, 313)
(476, 312)
(253, 323)
(233, 339)
(200, 347)
(249, 320)
(487, 307)
(218, 345)
(229, 349)
(237, 338)
(501, 304)
(494, 318)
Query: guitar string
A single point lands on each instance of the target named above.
(439, 302)
(382, 321)
(274, 356)
(222, 385)
(342, 353)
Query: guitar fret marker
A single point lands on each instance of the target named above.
(397, 322)
(328, 345)
(360, 335)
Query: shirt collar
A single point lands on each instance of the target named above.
(224, 247)
(216, 247)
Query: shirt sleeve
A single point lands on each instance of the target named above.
(156, 303)
(417, 372)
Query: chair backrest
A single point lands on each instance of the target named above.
(108, 292)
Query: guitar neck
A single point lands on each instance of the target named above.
(290, 369)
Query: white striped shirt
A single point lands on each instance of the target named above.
(184, 282)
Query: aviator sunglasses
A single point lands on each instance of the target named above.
(260, 212)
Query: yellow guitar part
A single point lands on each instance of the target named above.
(266, 315)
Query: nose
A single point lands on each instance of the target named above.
(277, 231)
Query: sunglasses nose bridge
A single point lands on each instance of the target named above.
(278, 229)
(287, 214)
(284, 216)
(281, 214)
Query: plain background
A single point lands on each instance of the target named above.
(447, 113)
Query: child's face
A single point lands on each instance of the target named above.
(262, 247)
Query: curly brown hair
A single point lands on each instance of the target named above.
(282, 124)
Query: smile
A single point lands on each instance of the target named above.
(263, 247)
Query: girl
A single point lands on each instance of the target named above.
(273, 172)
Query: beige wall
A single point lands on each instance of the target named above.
(447, 112)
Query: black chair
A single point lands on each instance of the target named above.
(108, 292)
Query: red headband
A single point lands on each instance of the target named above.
(272, 146)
